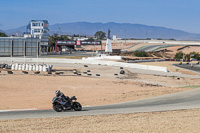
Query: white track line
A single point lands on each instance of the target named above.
(18, 110)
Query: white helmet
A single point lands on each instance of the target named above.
(58, 92)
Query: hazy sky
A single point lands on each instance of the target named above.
(177, 14)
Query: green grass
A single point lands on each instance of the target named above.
(191, 86)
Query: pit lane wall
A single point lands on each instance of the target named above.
(78, 61)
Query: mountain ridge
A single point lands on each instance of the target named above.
(122, 30)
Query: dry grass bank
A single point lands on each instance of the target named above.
(183, 121)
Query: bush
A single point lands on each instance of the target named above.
(140, 54)
(2, 34)
(179, 55)
(196, 55)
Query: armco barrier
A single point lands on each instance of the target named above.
(96, 62)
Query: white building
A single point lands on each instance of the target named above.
(38, 29)
(80, 38)
(116, 38)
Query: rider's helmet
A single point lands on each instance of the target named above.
(58, 92)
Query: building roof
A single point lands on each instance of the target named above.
(45, 21)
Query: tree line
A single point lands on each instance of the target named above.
(2, 34)
(100, 35)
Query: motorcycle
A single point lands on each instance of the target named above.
(72, 101)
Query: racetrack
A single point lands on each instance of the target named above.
(194, 68)
(177, 101)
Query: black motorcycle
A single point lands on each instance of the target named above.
(71, 101)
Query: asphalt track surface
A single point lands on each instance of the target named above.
(177, 101)
(150, 48)
(194, 68)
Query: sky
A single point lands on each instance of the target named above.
(176, 14)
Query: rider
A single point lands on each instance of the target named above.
(64, 101)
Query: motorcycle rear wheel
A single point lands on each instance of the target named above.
(57, 107)
(77, 106)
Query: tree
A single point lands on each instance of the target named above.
(90, 39)
(3, 34)
(179, 55)
(140, 54)
(100, 35)
(76, 35)
(195, 55)
(55, 37)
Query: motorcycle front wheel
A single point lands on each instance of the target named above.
(57, 107)
(77, 106)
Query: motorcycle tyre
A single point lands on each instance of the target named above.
(77, 106)
(57, 107)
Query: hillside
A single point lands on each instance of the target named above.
(122, 30)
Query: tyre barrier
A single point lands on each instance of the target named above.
(12, 67)
(16, 66)
(49, 72)
(40, 67)
(20, 67)
(2, 65)
(10, 72)
(34, 67)
(30, 67)
(7, 66)
(122, 72)
(57, 73)
(37, 68)
(25, 72)
(37, 72)
(27, 66)
(74, 71)
(97, 74)
(23, 67)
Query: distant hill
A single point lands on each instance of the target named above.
(122, 30)
(1, 30)
(18, 31)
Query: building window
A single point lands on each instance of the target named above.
(36, 30)
(45, 31)
(35, 24)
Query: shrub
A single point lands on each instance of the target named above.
(140, 54)
(179, 55)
